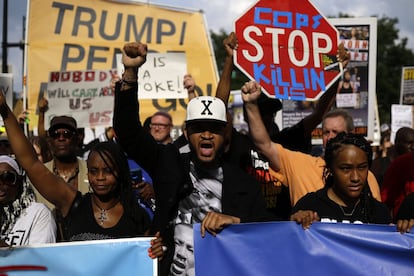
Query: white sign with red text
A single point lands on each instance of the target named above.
(288, 47)
(84, 95)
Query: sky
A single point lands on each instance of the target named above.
(221, 14)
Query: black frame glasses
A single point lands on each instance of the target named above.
(8, 178)
(67, 134)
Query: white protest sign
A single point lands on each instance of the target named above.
(347, 100)
(6, 84)
(161, 76)
(401, 116)
(84, 95)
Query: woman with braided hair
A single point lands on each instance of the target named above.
(346, 196)
(109, 211)
(23, 221)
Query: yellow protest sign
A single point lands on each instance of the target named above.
(70, 35)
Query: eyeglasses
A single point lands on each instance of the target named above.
(8, 178)
(67, 134)
(161, 126)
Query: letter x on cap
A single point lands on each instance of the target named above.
(206, 108)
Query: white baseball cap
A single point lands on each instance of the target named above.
(206, 108)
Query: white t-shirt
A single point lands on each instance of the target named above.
(35, 225)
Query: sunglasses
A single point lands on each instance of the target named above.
(8, 178)
(67, 134)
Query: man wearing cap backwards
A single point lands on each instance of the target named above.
(195, 187)
(63, 140)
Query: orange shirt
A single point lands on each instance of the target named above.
(302, 173)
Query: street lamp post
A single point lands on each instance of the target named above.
(4, 43)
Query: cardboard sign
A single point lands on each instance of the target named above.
(161, 76)
(84, 95)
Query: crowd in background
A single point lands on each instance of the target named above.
(135, 180)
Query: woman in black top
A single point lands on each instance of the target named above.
(346, 196)
(346, 86)
(108, 211)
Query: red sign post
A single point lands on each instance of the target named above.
(288, 47)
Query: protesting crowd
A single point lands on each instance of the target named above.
(136, 181)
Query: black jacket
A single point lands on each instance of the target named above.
(241, 195)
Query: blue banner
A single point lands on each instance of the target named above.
(106, 257)
(284, 248)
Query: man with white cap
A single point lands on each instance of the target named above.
(195, 187)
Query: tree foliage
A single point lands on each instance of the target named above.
(392, 55)
(238, 78)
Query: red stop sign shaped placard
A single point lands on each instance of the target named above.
(288, 47)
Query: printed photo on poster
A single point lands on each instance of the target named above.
(357, 86)
(356, 89)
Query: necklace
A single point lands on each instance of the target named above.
(351, 213)
(68, 178)
(103, 212)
